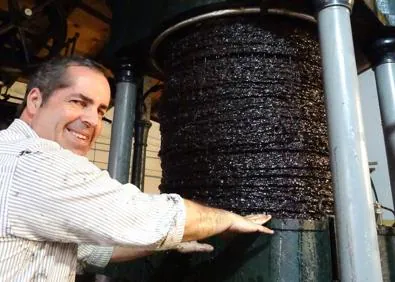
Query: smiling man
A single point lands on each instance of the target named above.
(76, 104)
(52, 198)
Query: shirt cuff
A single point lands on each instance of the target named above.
(98, 256)
(176, 231)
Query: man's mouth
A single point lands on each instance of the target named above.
(78, 135)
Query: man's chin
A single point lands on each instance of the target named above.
(78, 151)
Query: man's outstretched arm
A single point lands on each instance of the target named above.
(121, 254)
(203, 222)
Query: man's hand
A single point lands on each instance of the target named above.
(203, 222)
(246, 224)
(250, 223)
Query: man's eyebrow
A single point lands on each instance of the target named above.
(90, 101)
(83, 97)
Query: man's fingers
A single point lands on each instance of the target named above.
(266, 230)
(258, 218)
(194, 246)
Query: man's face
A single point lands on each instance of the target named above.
(72, 116)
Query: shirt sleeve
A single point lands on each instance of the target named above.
(59, 196)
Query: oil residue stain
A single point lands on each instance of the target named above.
(243, 119)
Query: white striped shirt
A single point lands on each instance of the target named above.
(51, 200)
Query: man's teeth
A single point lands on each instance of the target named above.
(80, 136)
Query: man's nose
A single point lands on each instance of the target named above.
(91, 117)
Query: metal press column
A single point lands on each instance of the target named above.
(123, 122)
(355, 221)
(384, 69)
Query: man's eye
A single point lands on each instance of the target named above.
(79, 102)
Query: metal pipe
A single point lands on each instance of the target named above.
(385, 81)
(140, 139)
(122, 128)
(139, 153)
(123, 123)
(355, 221)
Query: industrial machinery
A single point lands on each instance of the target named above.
(30, 34)
(253, 92)
(260, 112)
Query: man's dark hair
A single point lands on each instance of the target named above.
(51, 76)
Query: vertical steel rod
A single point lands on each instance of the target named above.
(385, 80)
(355, 221)
(123, 124)
(122, 129)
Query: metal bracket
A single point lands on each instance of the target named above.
(126, 71)
(322, 4)
(382, 51)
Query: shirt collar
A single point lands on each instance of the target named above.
(22, 127)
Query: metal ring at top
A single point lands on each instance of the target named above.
(322, 4)
(226, 12)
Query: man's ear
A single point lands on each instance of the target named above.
(34, 101)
